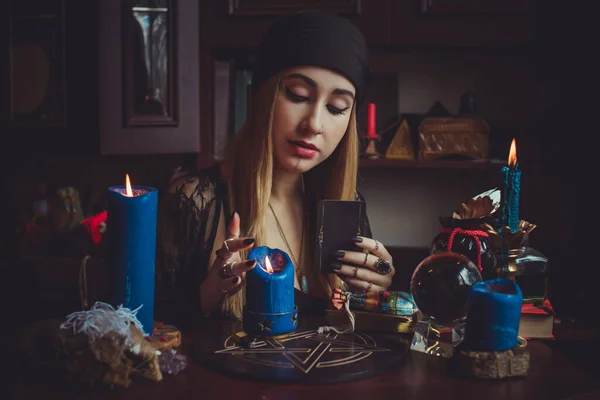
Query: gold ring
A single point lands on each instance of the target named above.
(376, 245)
(369, 287)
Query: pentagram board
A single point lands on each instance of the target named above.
(304, 356)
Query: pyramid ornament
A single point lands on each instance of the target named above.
(401, 147)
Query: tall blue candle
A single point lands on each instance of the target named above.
(270, 305)
(493, 315)
(131, 234)
(513, 206)
(512, 189)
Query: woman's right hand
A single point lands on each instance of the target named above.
(228, 270)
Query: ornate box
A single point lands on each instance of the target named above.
(450, 136)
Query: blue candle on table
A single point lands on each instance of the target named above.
(270, 304)
(493, 315)
(131, 234)
(512, 189)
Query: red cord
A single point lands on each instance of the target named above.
(473, 233)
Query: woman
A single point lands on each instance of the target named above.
(299, 145)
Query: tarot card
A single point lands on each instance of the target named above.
(338, 221)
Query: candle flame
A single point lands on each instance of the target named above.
(268, 265)
(128, 191)
(512, 154)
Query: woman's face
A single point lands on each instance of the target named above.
(311, 115)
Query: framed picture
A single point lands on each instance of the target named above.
(36, 76)
(149, 63)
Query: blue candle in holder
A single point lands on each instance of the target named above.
(493, 315)
(270, 308)
(131, 236)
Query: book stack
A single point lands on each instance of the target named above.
(537, 320)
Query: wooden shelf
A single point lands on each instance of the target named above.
(490, 165)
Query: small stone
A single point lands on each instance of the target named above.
(171, 362)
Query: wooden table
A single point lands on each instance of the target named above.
(551, 376)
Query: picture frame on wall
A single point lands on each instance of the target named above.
(149, 63)
(36, 74)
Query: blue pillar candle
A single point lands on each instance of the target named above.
(270, 306)
(493, 315)
(131, 234)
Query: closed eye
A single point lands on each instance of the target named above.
(294, 97)
(337, 111)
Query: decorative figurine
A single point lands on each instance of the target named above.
(465, 232)
(401, 147)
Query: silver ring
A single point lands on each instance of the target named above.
(369, 287)
(365, 262)
(376, 245)
(226, 246)
(231, 268)
(355, 271)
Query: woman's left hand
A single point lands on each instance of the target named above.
(369, 271)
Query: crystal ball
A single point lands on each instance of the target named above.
(440, 286)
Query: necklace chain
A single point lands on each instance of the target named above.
(301, 278)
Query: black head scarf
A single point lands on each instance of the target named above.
(314, 39)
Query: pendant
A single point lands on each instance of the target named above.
(304, 285)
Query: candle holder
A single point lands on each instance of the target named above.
(272, 325)
(371, 150)
(270, 309)
(519, 262)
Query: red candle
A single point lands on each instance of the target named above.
(371, 131)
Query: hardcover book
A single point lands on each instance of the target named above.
(537, 320)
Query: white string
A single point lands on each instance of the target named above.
(101, 319)
(323, 329)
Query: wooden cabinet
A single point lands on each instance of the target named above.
(240, 24)
(150, 78)
(475, 6)
(235, 24)
(47, 77)
(469, 23)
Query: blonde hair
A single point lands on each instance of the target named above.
(249, 174)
